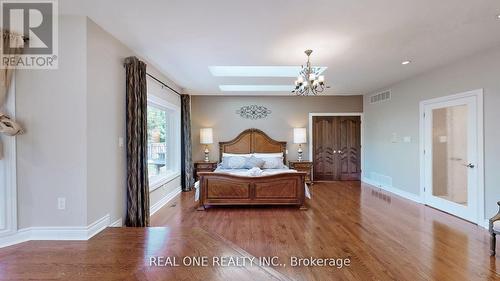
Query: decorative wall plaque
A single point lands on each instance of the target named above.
(253, 112)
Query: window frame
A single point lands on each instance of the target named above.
(173, 156)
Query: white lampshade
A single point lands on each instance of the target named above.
(299, 135)
(206, 136)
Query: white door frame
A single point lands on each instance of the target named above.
(9, 183)
(360, 114)
(478, 94)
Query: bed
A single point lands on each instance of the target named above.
(269, 187)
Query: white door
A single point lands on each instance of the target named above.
(451, 155)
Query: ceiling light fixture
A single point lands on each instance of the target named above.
(498, 17)
(406, 62)
(309, 82)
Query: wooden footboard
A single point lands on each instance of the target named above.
(221, 189)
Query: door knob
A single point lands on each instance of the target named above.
(470, 165)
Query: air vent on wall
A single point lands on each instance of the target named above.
(380, 97)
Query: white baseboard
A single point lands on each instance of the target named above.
(164, 201)
(117, 223)
(75, 232)
(98, 226)
(15, 238)
(405, 194)
(56, 232)
(485, 224)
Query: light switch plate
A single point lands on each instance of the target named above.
(61, 203)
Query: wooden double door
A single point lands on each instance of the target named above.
(336, 148)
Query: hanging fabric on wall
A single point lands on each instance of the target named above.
(187, 177)
(8, 126)
(137, 166)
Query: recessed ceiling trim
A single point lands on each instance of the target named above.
(257, 71)
(256, 88)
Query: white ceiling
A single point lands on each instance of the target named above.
(361, 42)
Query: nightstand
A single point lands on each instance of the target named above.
(203, 166)
(303, 166)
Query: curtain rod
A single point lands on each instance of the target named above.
(159, 81)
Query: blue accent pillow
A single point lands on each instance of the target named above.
(252, 162)
(233, 162)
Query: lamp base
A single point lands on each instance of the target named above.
(206, 155)
(299, 152)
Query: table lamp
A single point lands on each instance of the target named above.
(299, 137)
(206, 138)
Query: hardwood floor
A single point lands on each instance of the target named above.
(384, 236)
(130, 254)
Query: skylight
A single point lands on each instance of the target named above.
(256, 88)
(257, 71)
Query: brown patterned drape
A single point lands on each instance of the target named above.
(187, 178)
(137, 166)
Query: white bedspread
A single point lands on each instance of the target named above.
(254, 172)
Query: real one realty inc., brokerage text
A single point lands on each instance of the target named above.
(241, 261)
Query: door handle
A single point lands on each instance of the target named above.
(470, 165)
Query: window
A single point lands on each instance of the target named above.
(163, 121)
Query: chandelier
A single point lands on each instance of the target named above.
(309, 82)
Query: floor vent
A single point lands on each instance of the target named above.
(380, 97)
(381, 195)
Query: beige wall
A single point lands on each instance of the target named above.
(401, 115)
(51, 155)
(106, 161)
(288, 112)
(73, 118)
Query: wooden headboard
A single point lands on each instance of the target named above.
(253, 141)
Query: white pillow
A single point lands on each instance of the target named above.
(236, 154)
(268, 155)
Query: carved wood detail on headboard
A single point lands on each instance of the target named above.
(252, 141)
